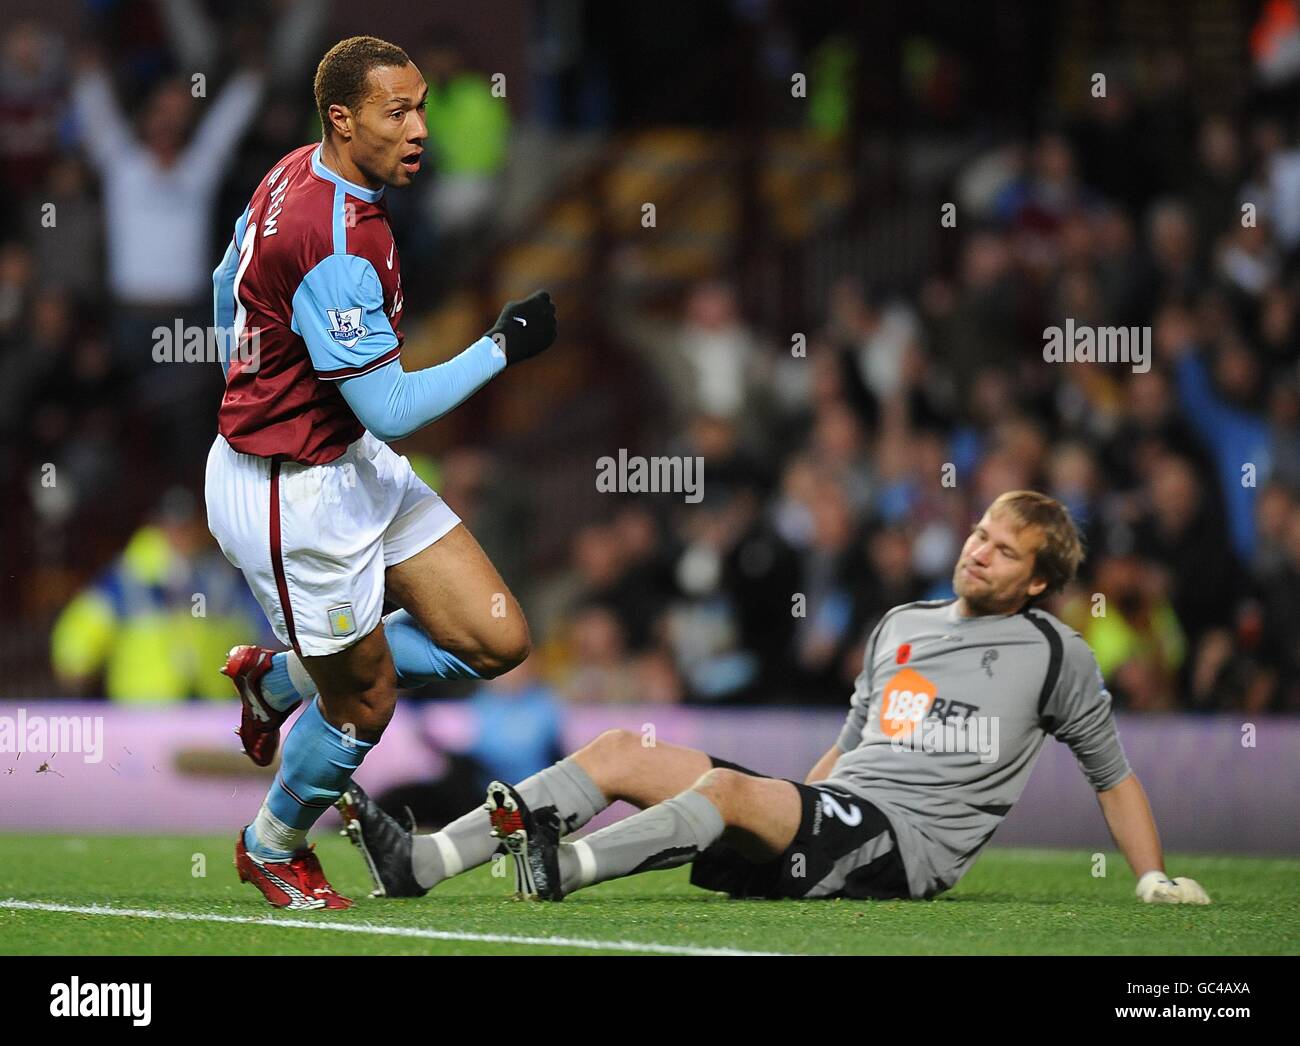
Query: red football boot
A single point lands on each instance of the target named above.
(298, 884)
(259, 725)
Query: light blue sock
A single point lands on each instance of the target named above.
(287, 683)
(418, 660)
(317, 764)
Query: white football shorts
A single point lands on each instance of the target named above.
(313, 541)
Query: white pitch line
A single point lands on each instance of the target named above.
(370, 928)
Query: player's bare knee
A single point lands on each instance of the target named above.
(608, 760)
(722, 787)
(615, 748)
(619, 742)
(503, 650)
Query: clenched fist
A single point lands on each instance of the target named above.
(525, 328)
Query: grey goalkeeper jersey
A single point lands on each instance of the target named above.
(948, 717)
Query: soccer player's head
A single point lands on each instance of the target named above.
(370, 97)
(1024, 547)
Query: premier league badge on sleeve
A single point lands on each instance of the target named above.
(345, 326)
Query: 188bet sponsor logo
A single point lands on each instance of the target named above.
(910, 697)
(915, 718)
(907, 699)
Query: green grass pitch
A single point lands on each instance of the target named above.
(1012, 902)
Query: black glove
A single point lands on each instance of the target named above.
(525, 328)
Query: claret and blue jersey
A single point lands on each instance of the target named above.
(311, 282)
(310, 293)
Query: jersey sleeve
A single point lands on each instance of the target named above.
(859, 704)
(338, 310)
(851, 733)
(392, 403)
(223, 293)
(1078, 712)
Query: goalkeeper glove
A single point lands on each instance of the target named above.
(525, 328)
(1155, 888)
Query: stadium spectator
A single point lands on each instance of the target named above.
(709, 362)
(597, 669)
(16, 279)
(516, 721)
(153, 624)
(1139, 642)
(67, 241)
(159, 189)
(31, 92)
(469, 130)
(1281, 587)
(1178, 532)
(1229, 424)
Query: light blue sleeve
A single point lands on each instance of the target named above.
(393, 403)
(223, 292)
(338, 310)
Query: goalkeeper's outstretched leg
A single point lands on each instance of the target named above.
(756, 818)
(617, 765)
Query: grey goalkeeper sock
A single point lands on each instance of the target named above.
(466, 842)
(663, 836)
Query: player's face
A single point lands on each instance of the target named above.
(389, 135)
(995, 572)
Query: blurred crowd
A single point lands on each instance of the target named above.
(841, 474)
(844, 481)
(841, 484)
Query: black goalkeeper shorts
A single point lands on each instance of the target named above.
(845, 847)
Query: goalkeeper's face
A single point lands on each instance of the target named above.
(995, 571)
(388, 129)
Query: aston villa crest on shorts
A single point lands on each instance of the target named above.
(342, 621)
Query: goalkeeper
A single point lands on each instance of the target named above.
(946, 720)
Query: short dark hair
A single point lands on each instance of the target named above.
(342, 73)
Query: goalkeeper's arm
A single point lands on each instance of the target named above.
(1128, 815)
(822, 768)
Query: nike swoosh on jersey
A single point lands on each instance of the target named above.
(390, 254)
(520, 320)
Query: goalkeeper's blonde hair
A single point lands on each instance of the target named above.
(1057, 559)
